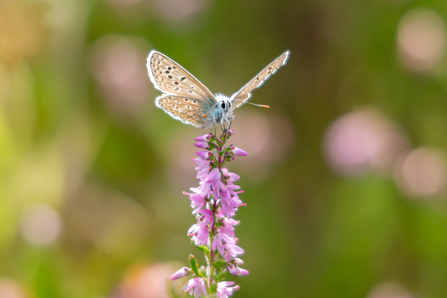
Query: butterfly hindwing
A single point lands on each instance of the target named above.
(169, 77)
(187, 110)
(240, 97)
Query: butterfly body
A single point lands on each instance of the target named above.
(222, 111)
(186, 99)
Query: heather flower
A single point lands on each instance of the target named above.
(236, 271)
(224, 290)
(214, 203)
(195, 286)
(182, 272)
(203, 145)
(204, 138)
(238, 151)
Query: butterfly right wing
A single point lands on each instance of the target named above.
(243, 95)
(187, 110)
(169, 77)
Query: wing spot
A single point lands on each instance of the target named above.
(188, 107)
(178, 101)
(257, 79)
(189, 114)
(174, 67)
(192, 87)
(182, 79)
(185, 99)
(176, 88)
(169, 68)
(270, 67)
(190, 92)
(195, 117)
(176, 83)
(173, 104)
(167, 71)
(194, 101)
(170, 77)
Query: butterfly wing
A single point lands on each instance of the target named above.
(187, 110)
(243, 95)
(169, 77)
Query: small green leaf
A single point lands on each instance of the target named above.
(194, 264)
(219, 263)
(222, 274)
(203, 248)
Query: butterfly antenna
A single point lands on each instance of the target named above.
(210, 110)
(253, 104)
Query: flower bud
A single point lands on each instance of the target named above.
(203, 138)
(236, 271)
(182, 272)
(203, 145)
(203, 154)
(238, 151)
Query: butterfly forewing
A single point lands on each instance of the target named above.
(169, 77)
(240, 97)
(187, 110)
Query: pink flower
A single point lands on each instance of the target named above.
(182, 272)
(199, 233)
(211, 182)
(203, 145)
(195, 286)
(197, 200)
(238, 261)
(232, 251)
(207, 218)
(203, 138)
(236, 271)
(224, 290)
(214, 202)
(227, 227)
(203, 154)
(238, 151)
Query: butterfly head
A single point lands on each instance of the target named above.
(224, 103)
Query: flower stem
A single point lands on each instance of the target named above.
(210, 270)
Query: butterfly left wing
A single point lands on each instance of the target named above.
(243, 95)
(187, 110)
(169, 77)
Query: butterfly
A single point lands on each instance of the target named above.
(186, 99)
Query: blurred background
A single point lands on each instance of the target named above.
(345, 178)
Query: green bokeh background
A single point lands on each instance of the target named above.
(80, 136)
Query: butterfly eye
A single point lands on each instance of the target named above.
(222, 105)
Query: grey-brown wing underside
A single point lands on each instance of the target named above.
(243, 95)
(169, 77)
(187, 110)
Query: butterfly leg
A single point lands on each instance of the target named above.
(222, 126)
(230, 121)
